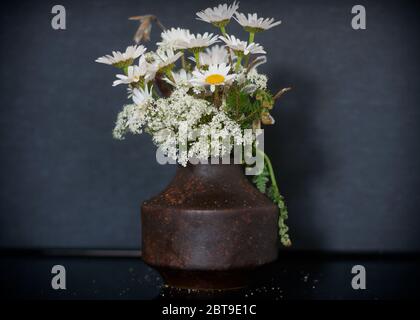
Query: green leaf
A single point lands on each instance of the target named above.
(261, 180)
(241, 107)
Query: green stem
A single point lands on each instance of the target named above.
(223, 30)
(250, 40)
(247, 60)
(140, 83)
(251, 37)
(197, 58)
(168, 73)
(278, 199)
(238, 63)
(249, 116)
(270, 170)
(154, 93)
(183, 61)
(216, 97)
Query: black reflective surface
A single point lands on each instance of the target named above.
(294, 276)
(345, 146)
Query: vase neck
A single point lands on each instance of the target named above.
(212, 171)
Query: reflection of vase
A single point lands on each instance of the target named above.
(208, 227)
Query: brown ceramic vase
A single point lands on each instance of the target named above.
(209, 229)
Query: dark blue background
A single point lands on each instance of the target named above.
(345, 145)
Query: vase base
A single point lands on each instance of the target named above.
(206, 280)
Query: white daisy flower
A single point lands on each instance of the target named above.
(216, 75)
(242, 46)
(180, 78)
(166, 58)
(149, 69)
(214, 55)
(122, 59)
(141, 96)
(136, 73)
(175, 38)
(129, 92)
(255, 48)
(257, 62)
(200, 41)
(150, 57)
(149, 62)
(220, 15)
(234, 43)
(254, 24)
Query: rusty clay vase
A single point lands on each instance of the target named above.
(209, 228)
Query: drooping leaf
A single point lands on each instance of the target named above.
(264, 183)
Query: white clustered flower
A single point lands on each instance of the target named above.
(215, 75)
(131, 53)
(222, 130)
(187, 122)
(168, 115)
(220, 14)
(257, 79)
(131, 119)
(253, 23)
(241, 77)
(182, 114)
(175, 38)
(198, 90)
(242, 46)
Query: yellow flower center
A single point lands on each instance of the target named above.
(215, 79)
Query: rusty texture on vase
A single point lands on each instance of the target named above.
(209, 218)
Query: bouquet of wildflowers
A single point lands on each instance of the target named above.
(200, 83)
